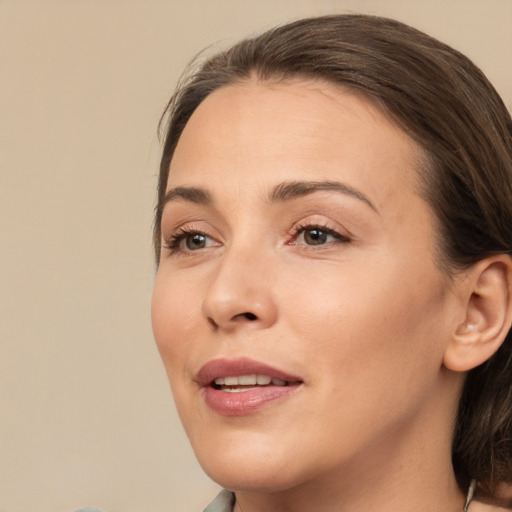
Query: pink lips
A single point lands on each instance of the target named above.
(248, 400)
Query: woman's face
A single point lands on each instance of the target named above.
(297, 307)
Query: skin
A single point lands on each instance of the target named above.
(364, 319)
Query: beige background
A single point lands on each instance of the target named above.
(86, 414)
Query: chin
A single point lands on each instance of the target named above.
(242, 466)
(248, 478)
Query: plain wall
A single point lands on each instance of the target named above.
(86, 414)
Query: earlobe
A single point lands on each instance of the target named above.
(487, 298)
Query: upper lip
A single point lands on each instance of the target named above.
(218, 368)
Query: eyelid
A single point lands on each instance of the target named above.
(340, 234)
(173, 238)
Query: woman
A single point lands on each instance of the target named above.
(333, 295)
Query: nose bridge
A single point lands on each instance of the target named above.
(240, 289)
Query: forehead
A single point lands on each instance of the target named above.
(293, 129)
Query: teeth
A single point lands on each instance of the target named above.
(249, 380)
(263, 380)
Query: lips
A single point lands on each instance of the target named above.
(243, 386)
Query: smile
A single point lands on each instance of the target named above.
(243, 386)
(246, 382)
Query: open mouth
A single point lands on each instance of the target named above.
(241, 383)
(239, 387)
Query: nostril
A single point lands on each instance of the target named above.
(250, 316)
(212, 322)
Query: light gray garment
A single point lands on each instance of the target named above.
(224, 502)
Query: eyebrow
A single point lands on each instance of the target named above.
(285, 191)
(294, 189)
(192, 194)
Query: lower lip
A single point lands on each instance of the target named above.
(245, 402)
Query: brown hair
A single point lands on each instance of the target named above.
(446, 104)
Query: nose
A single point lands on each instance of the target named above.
(240, 293)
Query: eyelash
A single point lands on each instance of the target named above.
(173, 244)
(301, 228)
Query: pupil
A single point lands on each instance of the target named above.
(196, 241)
(315, 236)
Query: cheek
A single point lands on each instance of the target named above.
(366, 339)
(174, 320)
(372, 319)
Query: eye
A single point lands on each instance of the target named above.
(195, 241)
(317, 235)
(187, 241)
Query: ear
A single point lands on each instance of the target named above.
(486, 292)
